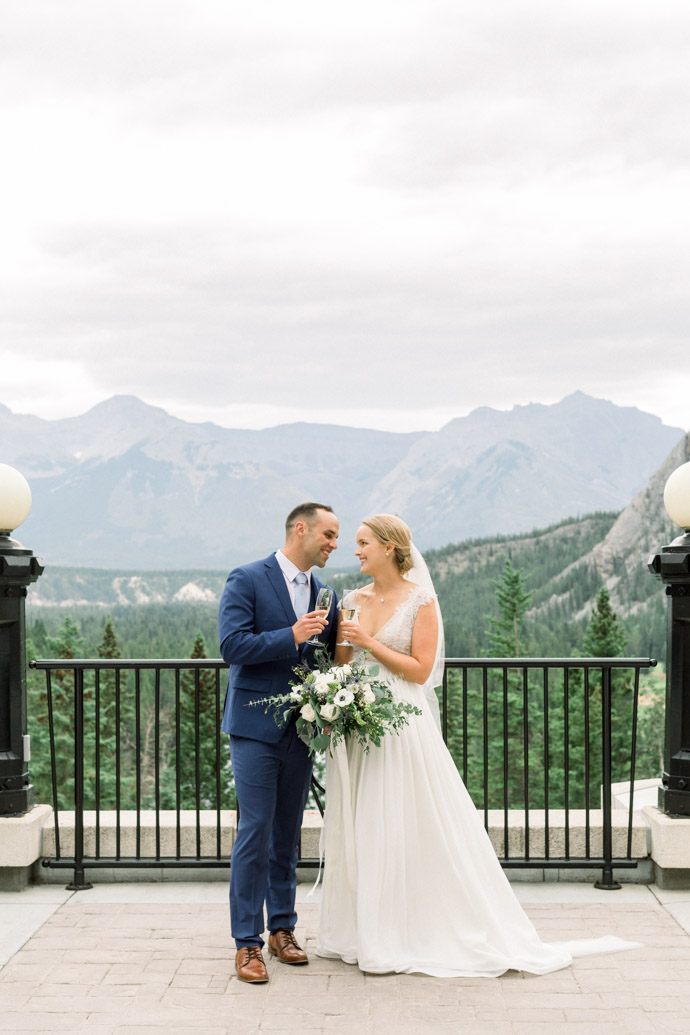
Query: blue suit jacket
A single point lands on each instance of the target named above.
(255, 632)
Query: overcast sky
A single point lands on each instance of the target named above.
(383, 213)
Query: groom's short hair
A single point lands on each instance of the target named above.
(304, 512)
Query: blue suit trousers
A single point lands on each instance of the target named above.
(272, 785)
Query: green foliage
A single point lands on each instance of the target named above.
(38, 728)
(650, 725)
(513, 602)
(146, 631)
(67, 643)
(203, 781)
(604, 638)
(465, 574)
(110, 764)
(521, 738)
(133, 740)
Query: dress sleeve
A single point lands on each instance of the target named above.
(421, 597)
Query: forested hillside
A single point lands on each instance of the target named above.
(563, 581)
(557, 561)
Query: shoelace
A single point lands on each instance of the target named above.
(254, 953)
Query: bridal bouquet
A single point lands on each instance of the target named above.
(339, 701)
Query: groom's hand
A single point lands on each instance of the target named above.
(309, 625)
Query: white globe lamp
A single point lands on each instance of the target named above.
(677, 496)
(15, 499)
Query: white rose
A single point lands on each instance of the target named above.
(321, 682)
(343, 698)
(307, 712)
(329, 712)
(368, 696)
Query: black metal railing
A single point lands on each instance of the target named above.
(135, 741)
(537, 735)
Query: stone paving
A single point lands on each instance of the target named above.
(156, 958)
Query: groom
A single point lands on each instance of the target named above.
(266, 616)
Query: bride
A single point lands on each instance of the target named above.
(412, 883)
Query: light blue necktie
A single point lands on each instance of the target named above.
(301, 594)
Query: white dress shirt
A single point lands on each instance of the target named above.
(290, 570)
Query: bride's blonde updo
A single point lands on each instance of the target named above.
(392, 531)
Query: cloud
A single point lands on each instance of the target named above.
(394, 207)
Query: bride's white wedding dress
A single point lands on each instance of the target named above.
(411, 881)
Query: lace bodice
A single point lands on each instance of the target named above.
(396, 633)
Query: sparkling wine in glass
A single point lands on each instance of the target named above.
(323, 603)
(348, 615)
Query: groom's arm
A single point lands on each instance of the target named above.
(240, 644)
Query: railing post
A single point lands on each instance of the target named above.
(607, 883)
(79, 882)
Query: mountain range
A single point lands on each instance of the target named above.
(127, 486)
(565, 566)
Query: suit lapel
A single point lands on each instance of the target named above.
(277, 580)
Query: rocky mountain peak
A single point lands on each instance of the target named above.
(127, 485)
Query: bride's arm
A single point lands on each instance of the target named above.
(415, 667)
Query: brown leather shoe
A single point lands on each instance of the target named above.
(250, 966)
(283, 945)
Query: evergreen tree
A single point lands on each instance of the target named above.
(114, 724)
(198, 763)
(651, 729)
(503, 705)
(38, 729)
(508, 698)
(604, 638)
(68, 644)
(513, 603)
(108, 647)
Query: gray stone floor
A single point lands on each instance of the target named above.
(133, 959)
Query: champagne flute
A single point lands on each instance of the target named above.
(323, 603)
(347, 614)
